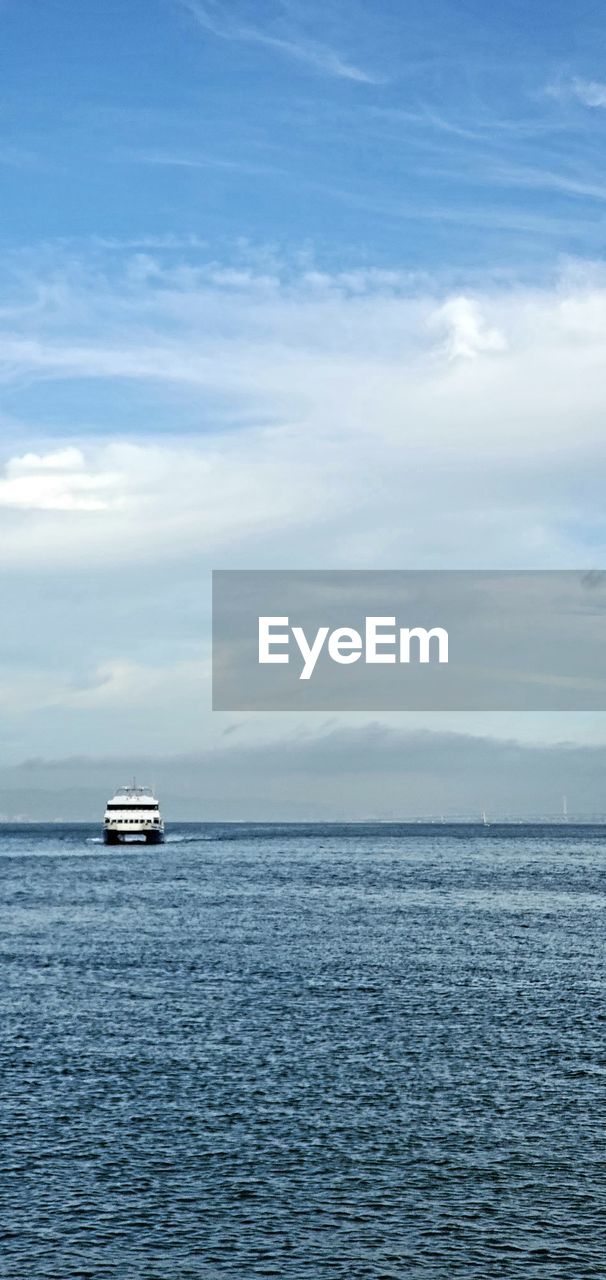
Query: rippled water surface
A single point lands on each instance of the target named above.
(305, 1052)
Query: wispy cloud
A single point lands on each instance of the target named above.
(158, 243)
(544, 179)
(184, 160)
(313, 53)
(592, 93)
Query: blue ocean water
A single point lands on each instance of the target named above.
(304, 1052)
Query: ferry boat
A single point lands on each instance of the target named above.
(133, 812)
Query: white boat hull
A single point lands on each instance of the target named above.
(113, 835)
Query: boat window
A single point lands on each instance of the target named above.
(144, 805)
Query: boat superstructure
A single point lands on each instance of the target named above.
(133, 812)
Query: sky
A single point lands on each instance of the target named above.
(286, 285)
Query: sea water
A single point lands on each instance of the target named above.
(312, 1051)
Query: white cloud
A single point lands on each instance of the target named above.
(58, 481)
(590, 92)
(320, 57)
(467, 333)
(158, 501)
(382, 424)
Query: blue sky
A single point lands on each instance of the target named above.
(432, 136)
(283, 285)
